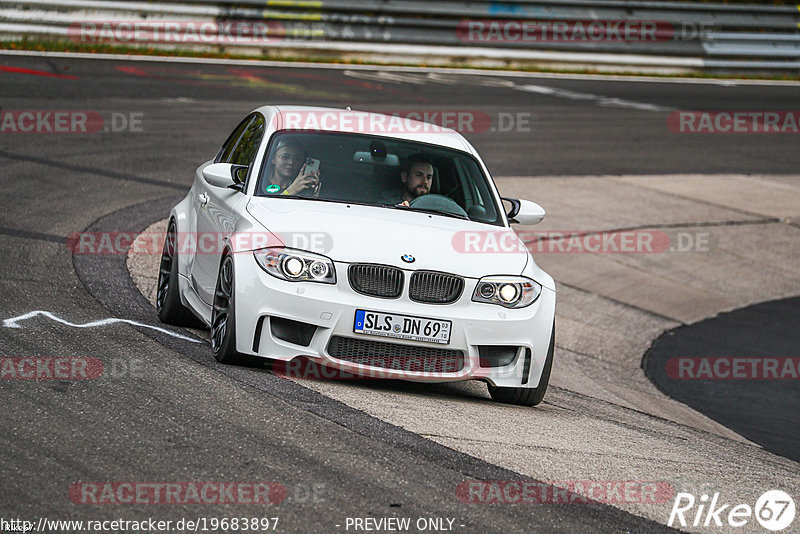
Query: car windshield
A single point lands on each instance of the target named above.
(379, 171)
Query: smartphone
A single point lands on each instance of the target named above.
(312, 165)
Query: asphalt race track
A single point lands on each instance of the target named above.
(597, 154)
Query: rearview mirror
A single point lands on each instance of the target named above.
(390, 160)
(524, 211)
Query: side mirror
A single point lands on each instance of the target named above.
(239, 174)
(219, 174)
(524, 212)
(226, 175)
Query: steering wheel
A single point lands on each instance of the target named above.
(436, 202)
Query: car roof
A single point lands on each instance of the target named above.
(409, 129)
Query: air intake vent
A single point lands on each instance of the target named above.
(397, 357)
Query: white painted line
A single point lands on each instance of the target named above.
(135, 7)
(606, 101)
(42, 21)
(386, 76)
(396, 68)
(13, 323)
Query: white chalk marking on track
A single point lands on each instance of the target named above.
(13, 323)
(606, 101)
(383, 76)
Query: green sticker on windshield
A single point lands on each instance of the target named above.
(272, 188)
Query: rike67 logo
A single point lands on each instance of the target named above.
(774, 511)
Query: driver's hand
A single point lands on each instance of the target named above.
(305, 183)
(404, 203)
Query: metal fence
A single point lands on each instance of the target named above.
(695, 35)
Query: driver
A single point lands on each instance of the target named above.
(416, 177)
(288, 174)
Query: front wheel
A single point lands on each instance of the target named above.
(223, 317)
(528, 396)
(168, 301)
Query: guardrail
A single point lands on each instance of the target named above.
(669, 34)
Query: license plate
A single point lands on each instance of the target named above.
(402, 327)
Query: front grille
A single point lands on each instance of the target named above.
(376, 280)
(436, 288)
(395, 356)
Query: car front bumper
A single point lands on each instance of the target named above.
(260, 297)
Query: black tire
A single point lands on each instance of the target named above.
(528, 396)
(168, 302)
(223, 317)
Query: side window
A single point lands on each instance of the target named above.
(224, 154)
(482, 208)
(471, 195)
(245, 151)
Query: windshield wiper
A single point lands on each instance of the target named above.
(318, 199)
(434, 212)
(303, 198)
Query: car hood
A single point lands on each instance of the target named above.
(352, 233)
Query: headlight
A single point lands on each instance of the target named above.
(507, 291)
(296, 265)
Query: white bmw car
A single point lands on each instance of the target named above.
(375, 245)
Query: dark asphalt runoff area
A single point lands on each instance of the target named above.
(166, 411)
(763, 410)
